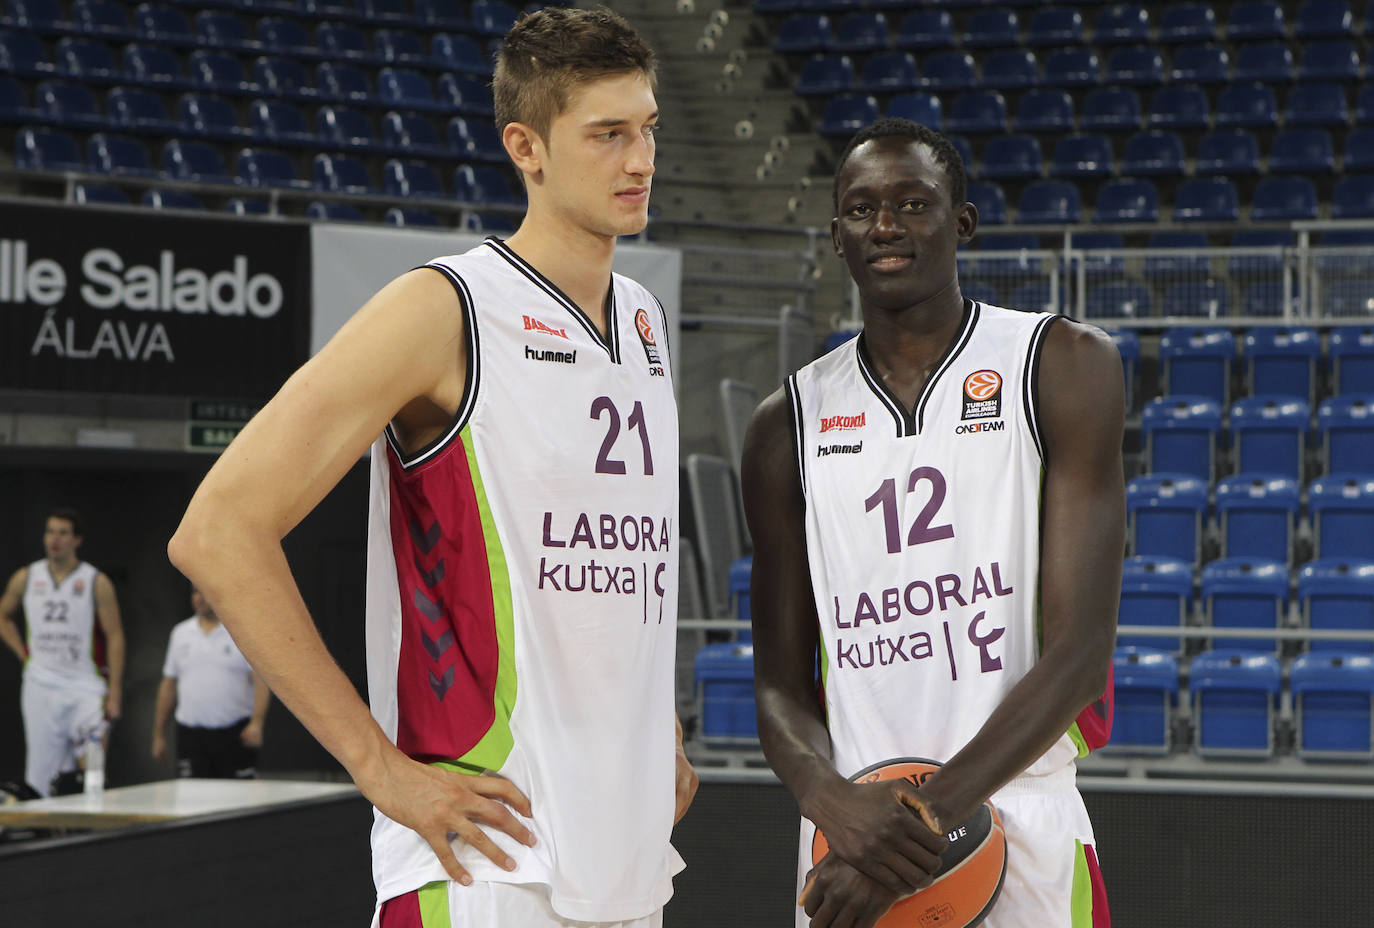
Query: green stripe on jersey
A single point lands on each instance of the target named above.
(433, 898)
(1081, 902)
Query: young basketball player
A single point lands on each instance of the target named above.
(522, 555)
(74, 654)
(937, 508)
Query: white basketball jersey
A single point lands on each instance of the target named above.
(923, 533)
(66, 646)
(522, 590)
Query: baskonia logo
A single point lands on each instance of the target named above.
(844, 423)
(646, 338)
(534, 325)
(982, 395)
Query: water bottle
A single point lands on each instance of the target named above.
(95, 764)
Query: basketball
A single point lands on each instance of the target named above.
(971, 868)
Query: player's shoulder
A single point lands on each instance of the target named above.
(1080, 343)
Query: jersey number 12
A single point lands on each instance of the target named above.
(921, 530)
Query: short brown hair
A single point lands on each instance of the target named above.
(549, 52)
(68, 514)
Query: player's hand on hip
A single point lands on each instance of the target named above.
(838, 896)
(443, 805)
(884, 830)
(686, 785)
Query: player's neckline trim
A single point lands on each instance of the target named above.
(610, 341)
(910, 422)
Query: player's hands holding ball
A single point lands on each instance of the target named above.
(837, 894)
(443, 805)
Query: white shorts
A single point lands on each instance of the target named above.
(1052, 879)
(57, 722)
(485, 905)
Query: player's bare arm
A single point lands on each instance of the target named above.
(865, 825)
(1082, 542)
(685, 779)
(251, 735)
(401, 351)
(162, 714)
(9, 609)
(107, 614)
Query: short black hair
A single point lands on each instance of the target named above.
(946, 155)
(69, 514)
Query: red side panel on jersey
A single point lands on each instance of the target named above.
(1095, 722)
(447, 670)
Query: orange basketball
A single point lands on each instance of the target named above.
(971, 868)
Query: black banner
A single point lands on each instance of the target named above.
(104, 301)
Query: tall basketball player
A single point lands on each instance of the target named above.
(73, 656)
(937, 509)
(522, 577)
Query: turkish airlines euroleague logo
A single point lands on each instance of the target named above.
(646, 338)
(982, 395)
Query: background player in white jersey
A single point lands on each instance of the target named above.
(72, 650)
(220, 703)
(1020, 498)
(574, 91)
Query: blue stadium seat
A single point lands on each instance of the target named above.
(990, 201)
(1187, 22)
(465, 94)
(405, 178)
(341, 41)
(1111, 109)
(1100, 254)
(163, 25)
(802, 33)
(1127, 298)
(241, 206)
(1321, 19)
(1319, 104)
(1201, 64)
(1072, 67)
(118, 154)
(1127, 201)
(334, 212)
(1044, 111)
(724, 675)
(1210, 298)
(847, 114)
(99, 193)
(222, 30)
(1242, 592)
(1197, 361)
(198, 162)
(171, 199)
(1265, 62)
(1247, 106)
(980, 292)
(1235, 697)
(889, 72)
(1155, 590)
(1352, 359)
(1083, 156)
(1011, 157)
(1122, 25)
(219, 73)
(475, 140)
(414, 135)
(1346, 298)
(1269, 433)
(24, 55)
(155, 67)
(323, 9)
(1286, 198)
(1165, 514)
(1035, 297)
(1359, 151)
(281, 36)
(46, 150)
(395, 46)
(1302, 151)
(1128, 346)
(1258, 264)
(1179, 107)
(1153, 154)
(1146, 698)
(442, 14)
(1010, 69)
(460, 54)
(88, 60)
(823, 75)
(407, 89)
(68, 105)
(1346, 424)
(493, 17)
(1052, 26)
(340, 174)
(1330, 61)
(977, 111)
(14, 103)
(948, 70)
(1227, 152)
(259, 167)
(965, 149)
(1353, 198)
(921, 108)
(1342, 505)
(209, 117)
(1206, 200)
(1282, 360)
(1048, 201)
(406, 216)
(860, 32)
(1187, 256)
(1266, 298)
(1135, 67)
(285, 78)
(38, 16)
(925, 29)
(1255, 19)
(1338, 594)
(1180, 434)
(132, 109)
(1364, 107)
(282, 124)
(484, 184)
(994, 28)
(1333, 695)
(346, 129)
(387, 11)
(104, 19)
(1257, 516)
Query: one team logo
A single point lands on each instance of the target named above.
(982, 395)
(79, 587)
(646, 338)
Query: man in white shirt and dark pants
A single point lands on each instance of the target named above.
(220, 702)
